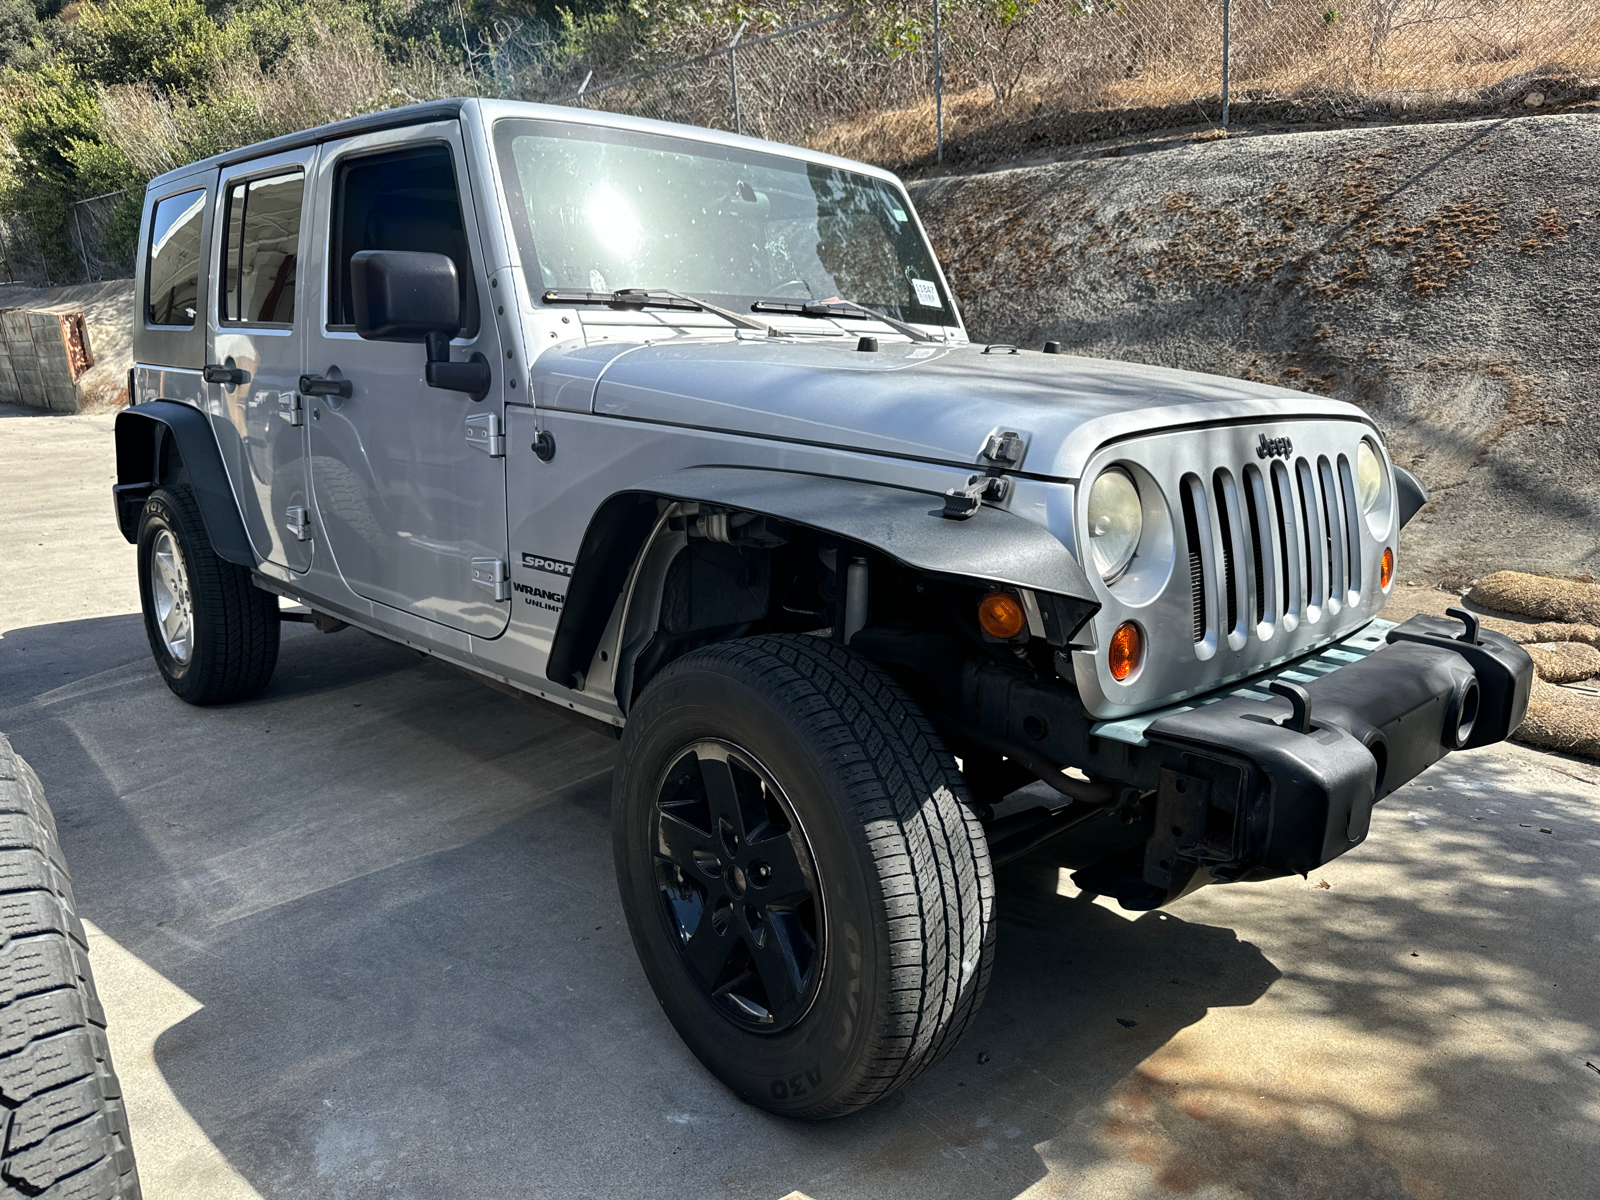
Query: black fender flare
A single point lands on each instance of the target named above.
(991, 546)
(145, 435)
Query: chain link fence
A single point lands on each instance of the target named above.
(92, 241)
(1005, 75)
(971, 81)
(786, 86)
(22, 256)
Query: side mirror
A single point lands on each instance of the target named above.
(404, 295)
(412, 296)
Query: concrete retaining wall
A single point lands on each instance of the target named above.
(42, 357)
(66, 349)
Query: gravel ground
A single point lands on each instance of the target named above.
(1441, 276)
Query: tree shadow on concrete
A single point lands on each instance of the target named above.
(391, 890)
(1432, 1031)
(392, 893)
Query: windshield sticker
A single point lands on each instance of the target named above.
(927, 294)
(900, 215)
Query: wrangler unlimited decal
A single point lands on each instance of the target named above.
(539, 598)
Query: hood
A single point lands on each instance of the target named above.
(934, 403)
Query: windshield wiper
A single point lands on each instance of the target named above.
(841, 308)
(656, 298)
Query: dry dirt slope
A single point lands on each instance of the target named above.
(1443, 277)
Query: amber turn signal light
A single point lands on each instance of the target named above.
(1386, 568)
(1127, 650)
(1001, 615)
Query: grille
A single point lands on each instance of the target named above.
(1271, 544)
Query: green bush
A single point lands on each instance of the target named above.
(171, 44)
(101, 95)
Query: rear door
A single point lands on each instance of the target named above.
(409, 480)
(259, 237)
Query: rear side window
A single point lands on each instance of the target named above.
(260, 250)
(173, 273)
(402, 201)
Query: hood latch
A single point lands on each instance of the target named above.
(1004, 449)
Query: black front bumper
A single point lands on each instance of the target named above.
(1251, 786)
(1254, 790)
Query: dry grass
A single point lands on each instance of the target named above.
(1166, 56)
(1056, 75)
(326, 80)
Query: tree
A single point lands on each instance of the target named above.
(170, 43)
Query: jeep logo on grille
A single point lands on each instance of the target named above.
(1274, 447)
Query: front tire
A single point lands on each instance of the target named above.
(214, 635)
(807, 886)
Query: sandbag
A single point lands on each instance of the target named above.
(1565, 662)
(1559, 719)
(1539, 597)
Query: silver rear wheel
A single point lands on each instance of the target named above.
(169, 589)
(214, 635)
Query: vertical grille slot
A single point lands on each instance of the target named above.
(1239, 571)
(1197, 575)
(1289, 539)
(1352, 522)
(1264, 545)
(1316, 547)
(1230, 589)
(1333, 524)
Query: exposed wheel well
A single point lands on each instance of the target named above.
(161, 442)
(658, 577)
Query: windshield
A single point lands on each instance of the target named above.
(604, 209)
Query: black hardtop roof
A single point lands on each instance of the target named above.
(389, 118)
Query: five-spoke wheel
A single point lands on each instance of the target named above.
(214, 634)
(805, 882)
(739, 885)
(169, 588)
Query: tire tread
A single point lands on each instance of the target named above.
(936, 885)
(63, 1127)
(236, 623)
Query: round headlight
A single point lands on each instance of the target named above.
(1116, 519)
(1369, 475)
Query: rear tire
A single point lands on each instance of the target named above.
(63, 1129)
(846, 840)
(214, 635)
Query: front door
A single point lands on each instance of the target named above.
(410, 497)
(253, 358)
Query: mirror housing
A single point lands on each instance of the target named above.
(404, 295)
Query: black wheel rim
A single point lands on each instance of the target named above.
(738, 886)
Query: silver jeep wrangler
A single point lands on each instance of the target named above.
(681, 432)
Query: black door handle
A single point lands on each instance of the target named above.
(316, 385)
(216, 373)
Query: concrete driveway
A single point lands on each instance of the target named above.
(359, 938)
